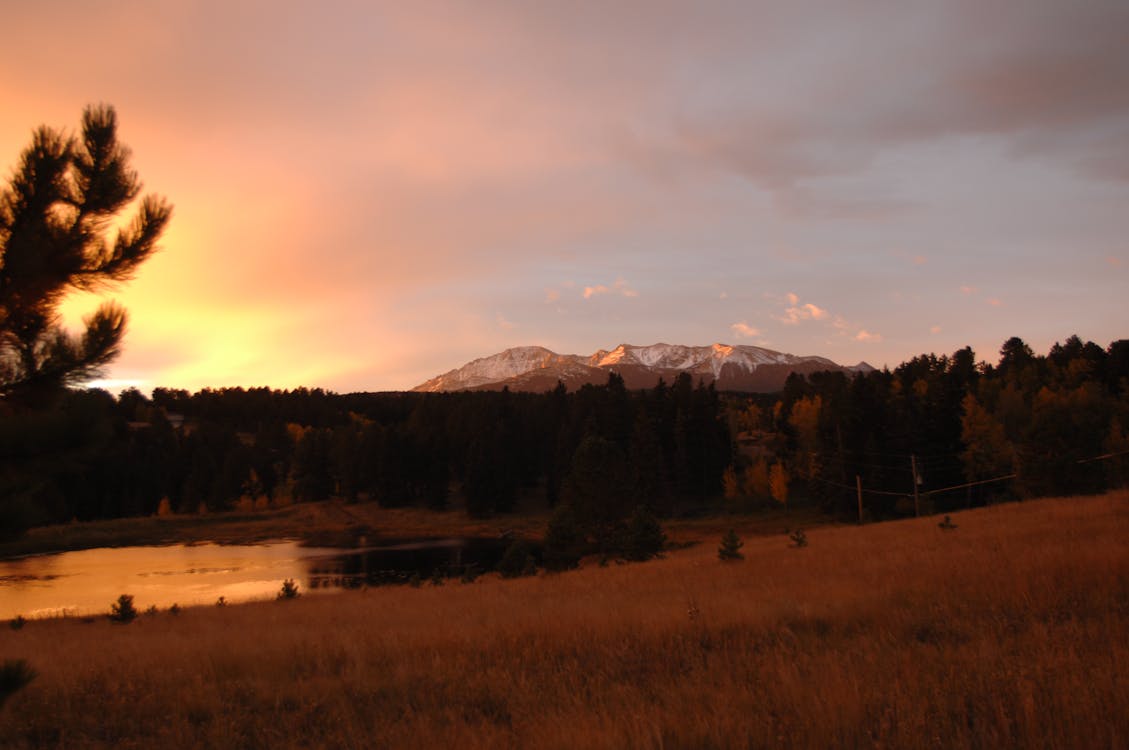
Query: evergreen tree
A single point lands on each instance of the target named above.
(987, 452)
(644, 537)
(599, 485)
(730, 549)
(564, 542)
(54, 218)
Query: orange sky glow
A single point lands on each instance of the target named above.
(369, 194)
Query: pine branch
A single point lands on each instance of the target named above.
(53, 218)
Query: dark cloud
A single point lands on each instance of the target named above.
(1051, 79)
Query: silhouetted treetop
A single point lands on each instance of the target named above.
(54, 225)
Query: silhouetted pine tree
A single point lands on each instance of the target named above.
(54, 218)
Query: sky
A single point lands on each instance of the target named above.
(368, 194)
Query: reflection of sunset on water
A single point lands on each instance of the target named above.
(85, 582)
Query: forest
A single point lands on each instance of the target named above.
(960, 432)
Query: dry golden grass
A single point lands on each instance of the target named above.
(1011, 631)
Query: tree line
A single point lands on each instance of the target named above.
(604, 450)
(963, 432)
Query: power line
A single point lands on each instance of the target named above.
(969, 484)
(1103, 457)
(908, 493)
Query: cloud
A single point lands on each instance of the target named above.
(994, 302)
(504, 324)
(391, 160)
(744, 330)
(1045, 79)
(620, 287)
(807, 311)
(798, 312)
(935, 329)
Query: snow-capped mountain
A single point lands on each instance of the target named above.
(535, 368)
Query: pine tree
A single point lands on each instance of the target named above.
(987, 452)
(645, 537)
(54, 218)
(564, 542)
(730, 549)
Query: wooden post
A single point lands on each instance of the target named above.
(858, 486)
(916, 501)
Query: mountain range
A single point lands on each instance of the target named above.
(730, 368)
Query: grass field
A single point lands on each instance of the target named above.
(1010, 631)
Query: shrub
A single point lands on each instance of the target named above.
(17, 622)
(174, 609)
(730, 549)
(799, 538)
(289, 589)
(518, 560)
(221, 602)
(122, 611)
(947, 524)
(15, 674)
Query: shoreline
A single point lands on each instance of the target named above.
(333, 523)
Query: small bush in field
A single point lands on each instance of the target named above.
(122, 610)
(437, 577)
(151, 611)
(470, 573)
(174, 609)
(799, 538)
(947, 524)
(289, 590)
(221, 602)
(17, 622)
(416, 580)
(730, 549)
(15, 674)
(518, 560)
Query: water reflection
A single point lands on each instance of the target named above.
(86, 582)
(400, 563)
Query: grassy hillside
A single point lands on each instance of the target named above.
(1010, 631)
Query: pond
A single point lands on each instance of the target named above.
(86, 582)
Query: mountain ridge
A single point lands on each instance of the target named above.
(729, 367)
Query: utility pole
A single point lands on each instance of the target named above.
(916, 481)
(858, 487)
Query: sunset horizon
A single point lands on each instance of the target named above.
(366, 196)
